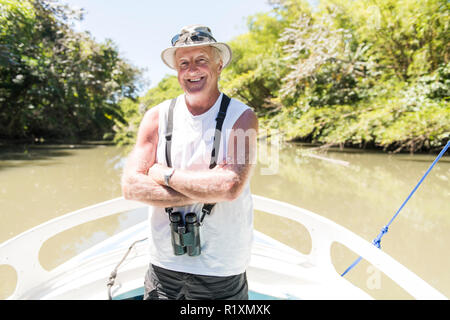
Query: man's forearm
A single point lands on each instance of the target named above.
(206, 186)
(143, 188)
(224, 183)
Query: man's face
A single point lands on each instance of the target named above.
(198, 71)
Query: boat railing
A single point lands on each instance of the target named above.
(324, 233)
(22, 252)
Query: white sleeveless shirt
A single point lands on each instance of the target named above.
(227, 233)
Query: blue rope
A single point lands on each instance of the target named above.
(376, 242)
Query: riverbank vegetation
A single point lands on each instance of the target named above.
(368, 73)
(56, 83)
(349, 73)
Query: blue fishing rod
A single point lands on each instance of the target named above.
(377, 241)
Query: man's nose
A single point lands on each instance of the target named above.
(192, 68)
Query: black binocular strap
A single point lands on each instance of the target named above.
(207, 207)
(169, 130)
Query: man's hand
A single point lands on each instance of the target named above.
(157, 172)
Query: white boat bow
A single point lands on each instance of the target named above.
(276, 270)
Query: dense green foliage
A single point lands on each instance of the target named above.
(167, 88)
(54, 82)
(355, 73)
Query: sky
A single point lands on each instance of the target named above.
(143, 28)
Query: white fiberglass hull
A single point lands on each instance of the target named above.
(276, 270)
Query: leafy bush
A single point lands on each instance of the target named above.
(354, 73)
(54, 82)
(133, 110)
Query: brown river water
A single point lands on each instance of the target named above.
(360, 190)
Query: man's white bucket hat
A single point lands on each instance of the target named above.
(195, 36)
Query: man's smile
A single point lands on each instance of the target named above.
(195, 84)
(195, 79)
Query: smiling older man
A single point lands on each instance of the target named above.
(191, 163)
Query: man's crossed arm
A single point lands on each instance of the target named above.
(143, 178)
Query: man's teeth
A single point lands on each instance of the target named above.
(195, 80)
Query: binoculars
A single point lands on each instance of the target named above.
(185, 236)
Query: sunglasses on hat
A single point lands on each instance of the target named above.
(193, 37)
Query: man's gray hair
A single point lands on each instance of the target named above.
(216, 54)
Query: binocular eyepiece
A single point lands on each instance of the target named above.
(185, 236)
